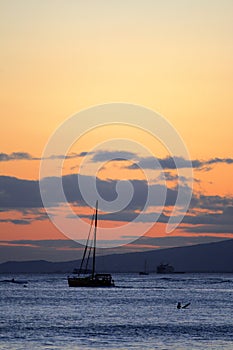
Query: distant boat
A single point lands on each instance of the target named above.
(145, 270)
(165, 268)
(94, 279)
(13, 280)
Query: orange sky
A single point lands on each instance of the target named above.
(59, 57)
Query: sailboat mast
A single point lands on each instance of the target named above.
(93, 267)
(85, 250)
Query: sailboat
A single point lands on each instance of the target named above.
(94, 279)
(145, 270)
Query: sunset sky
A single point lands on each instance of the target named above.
(61, 57)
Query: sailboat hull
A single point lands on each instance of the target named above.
(99, 280)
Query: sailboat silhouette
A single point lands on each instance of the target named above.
(94, 279)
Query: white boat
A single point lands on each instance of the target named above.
(165, 268)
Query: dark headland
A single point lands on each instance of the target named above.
(209, 257)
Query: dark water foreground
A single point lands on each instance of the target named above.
(140, 313)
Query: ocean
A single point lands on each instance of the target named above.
(139, 313)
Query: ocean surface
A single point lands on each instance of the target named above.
(139, 313)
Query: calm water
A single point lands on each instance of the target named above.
(140, 313)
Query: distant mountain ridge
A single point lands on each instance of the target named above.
(208, 257)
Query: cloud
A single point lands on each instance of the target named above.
(24, 196)
(210, 222)
(16, 221)
(19, 193)
(211, 229)
(105, 156)
(214, 203)
(59, 243)
(165, 163)
(168, 176)
(4, 157)
(172, 163)
(168, 162)
(27, 216)
(219, 160)
(72, 155)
